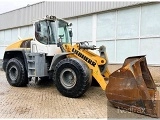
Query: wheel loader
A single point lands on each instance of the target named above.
(50, 54)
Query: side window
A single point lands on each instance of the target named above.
(41, 32)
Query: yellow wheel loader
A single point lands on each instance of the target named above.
(51, 54)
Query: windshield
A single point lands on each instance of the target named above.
(60, 31)
(63, 33)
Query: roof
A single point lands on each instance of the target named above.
(25, 15)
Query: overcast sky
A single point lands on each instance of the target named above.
(8, 5)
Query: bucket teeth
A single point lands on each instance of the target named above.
(132, 88)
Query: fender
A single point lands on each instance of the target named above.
(14, 53)
(57, 58)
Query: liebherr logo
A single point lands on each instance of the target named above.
(91, 62)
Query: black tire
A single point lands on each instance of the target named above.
(16, 73)
(72, 77)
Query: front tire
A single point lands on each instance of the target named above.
(16, 73)
(72, 77)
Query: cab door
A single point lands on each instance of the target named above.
(41, 43)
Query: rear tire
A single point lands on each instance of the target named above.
(16, 73)
(72, 77)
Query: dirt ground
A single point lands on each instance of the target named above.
(42, 100)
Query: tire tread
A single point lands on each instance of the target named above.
(23, 80)
(85, 82)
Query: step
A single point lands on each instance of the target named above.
(31, 61)
(31, 68)
(30, 55)
(31, 76)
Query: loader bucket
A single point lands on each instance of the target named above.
(132, 88)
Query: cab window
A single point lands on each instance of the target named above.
(42, 32)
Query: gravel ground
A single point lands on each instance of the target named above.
(42, 100)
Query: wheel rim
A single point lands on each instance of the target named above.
(13, 73)
(68, 78)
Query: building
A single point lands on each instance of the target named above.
(125, 28)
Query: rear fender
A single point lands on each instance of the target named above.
(12, 54)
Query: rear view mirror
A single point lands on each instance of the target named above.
(69, 24)
(70, 33)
